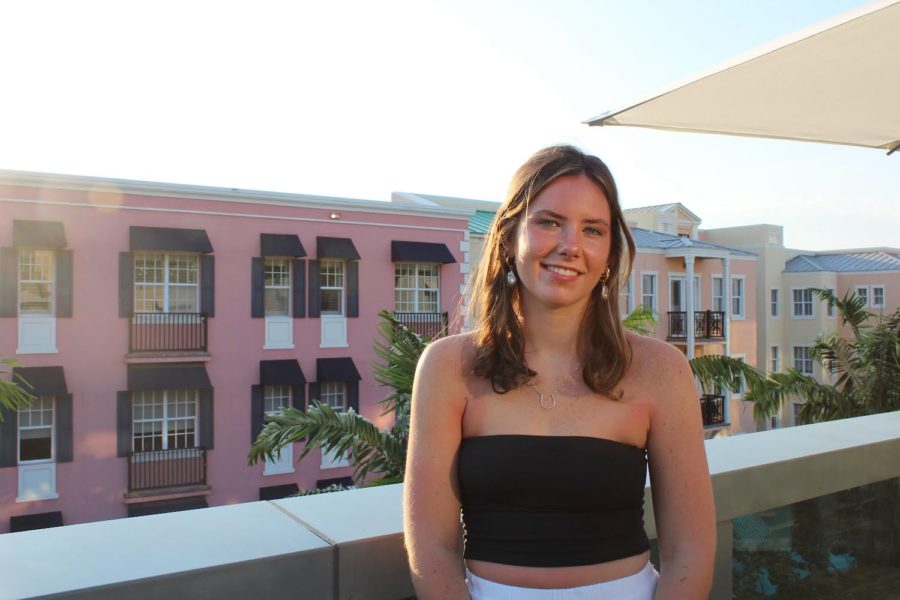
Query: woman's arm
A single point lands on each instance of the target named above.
(431, 493)
(679, 478)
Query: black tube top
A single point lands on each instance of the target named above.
(551, 501)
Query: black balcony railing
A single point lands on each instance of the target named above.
(430, 325)
(708, 324)
(712, 406)
(158, 469)
(167, 332)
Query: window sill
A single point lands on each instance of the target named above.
(37, 498)
(278, 472)
(334, 346)
(46, 350)
(285, 347)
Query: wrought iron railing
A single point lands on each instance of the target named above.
(712, 406)
(708, 324)
(158, 469)
(430, 325)
(167, 332)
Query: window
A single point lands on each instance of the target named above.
(648, 290)
(877, 296)
(776, 359)
(277, 286)
(718, 293)
(774, 302)
(276, 398)
(36, 430)
(829, 306)
(863, 293)
(36, 281)
(737, 297)
(164, 419)
(334, 394)
(331, 287)
(416, 287)
(166, 283)
(628, 294)
(803, 304)
(803, 359)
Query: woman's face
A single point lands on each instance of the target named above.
(561, 245)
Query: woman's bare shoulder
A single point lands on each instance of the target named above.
(655, 364)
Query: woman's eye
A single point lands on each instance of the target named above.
(593, 231)
(548, 223)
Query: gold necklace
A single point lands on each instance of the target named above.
(548, 401)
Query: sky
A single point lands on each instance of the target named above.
(359, 99)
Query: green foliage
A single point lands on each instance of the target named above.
(641, 320)
(349, 434)
(12, 396)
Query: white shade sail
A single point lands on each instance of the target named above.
(837, 82)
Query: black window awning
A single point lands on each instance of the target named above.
(277, 244)
(43, 520)
(168, 239)
(421, 252)
(281, 372)
(336, 369)
(276, 492)
(142, 509)
(39, 234)
(167, 376)
(340, 248)
(45, 381)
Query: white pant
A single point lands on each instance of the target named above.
(640, 586)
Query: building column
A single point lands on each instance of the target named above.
(726, 324)
(689, 304)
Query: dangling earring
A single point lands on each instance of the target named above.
(510, 278)
(604, 290)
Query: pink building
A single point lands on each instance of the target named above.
(159, 323)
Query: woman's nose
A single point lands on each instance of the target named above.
(569, 244)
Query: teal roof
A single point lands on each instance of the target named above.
(481, 221)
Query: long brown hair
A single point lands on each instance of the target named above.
(495, 305)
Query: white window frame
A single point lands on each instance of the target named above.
(269, 273)
(799, 361)
(50, 281)
(628, 293)
(718, 301)
(829, 308)
(31, 409)
(741, 298)
(331, 391)
(275, 399)
(654, 295)
(864, 295)
(165, 420)
(775, 358)
(775, 303)
(166, 284)
(883, 302)
(802, 303)
(338, 270)
(743, 387)
(415, 289)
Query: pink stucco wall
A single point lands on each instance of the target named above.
(94, 342)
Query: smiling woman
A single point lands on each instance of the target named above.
(548, 467)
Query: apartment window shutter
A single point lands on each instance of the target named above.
(63, 283)
(64, 428)
(299, 288)
(314, 288)
(257, 411)
(314, 391)
(352, 288)
(123, 423)
(9, 282)
(257, 288)
(205, 414)
(353, 396)
(207, 284)
(126, 284)
(298, 397)
(9, 437)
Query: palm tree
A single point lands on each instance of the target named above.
(12, 395)
(350, 434)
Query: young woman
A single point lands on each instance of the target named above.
(539, 424)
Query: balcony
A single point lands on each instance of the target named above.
(158, 470)
(709, 325)
(167, 332)
(712, 406)
(802, 512)
(430, 325)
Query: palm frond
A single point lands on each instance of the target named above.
(641, 320)
(715, 371)
(13, 394)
